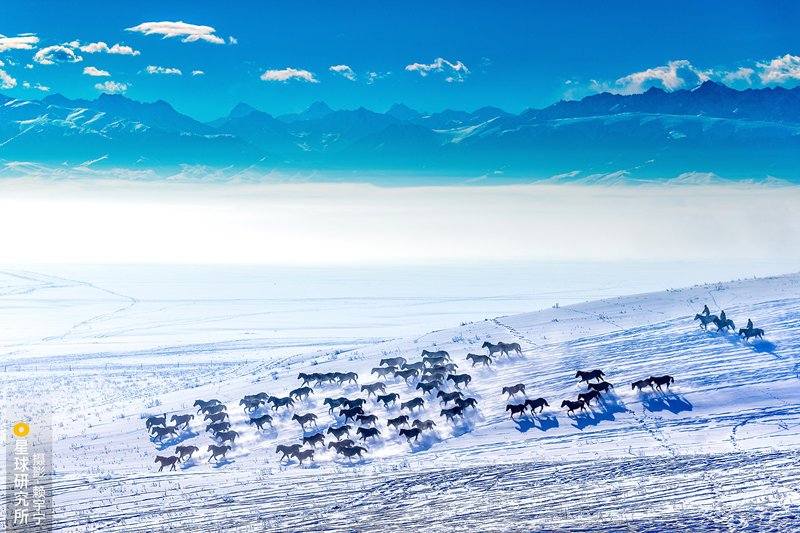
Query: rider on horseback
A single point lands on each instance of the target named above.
(722, 317)
(749, 325)
(706, 311)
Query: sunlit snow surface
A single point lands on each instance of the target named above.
(106, 347)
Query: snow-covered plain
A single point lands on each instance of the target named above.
(719, 452)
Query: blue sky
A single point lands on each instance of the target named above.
(277, 56)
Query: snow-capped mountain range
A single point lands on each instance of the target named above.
(713, 129)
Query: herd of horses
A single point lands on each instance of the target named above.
(430, 379)
(594, 392)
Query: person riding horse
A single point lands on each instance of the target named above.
(749, 324)
(722, 317)
(706, 310)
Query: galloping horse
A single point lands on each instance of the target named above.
(705, 320)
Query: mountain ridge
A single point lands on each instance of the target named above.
(655, 134)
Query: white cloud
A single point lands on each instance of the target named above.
(197, 73)
(189, 32)
(344, 71)
(111, 87)
(91, 71)
(2, 64)
(20, 42)
(679, 74)
(780, 69)
(6, 81)
(56, 54)
(93, 48)
(232, 40)
(455, 71)
(288, 74)
(151, 69)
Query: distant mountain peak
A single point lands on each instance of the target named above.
(242, 110)
(317, 107)
(402, 112)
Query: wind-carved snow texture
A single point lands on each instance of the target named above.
(718, 451)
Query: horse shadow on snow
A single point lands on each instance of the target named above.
(602, 411)
(540, 422)
(657, 401)
(182, 437)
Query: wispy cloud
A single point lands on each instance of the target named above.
(344, 71)
(6, 81)
(92, 71)
(111, 87)
(288, 74)
(457, 71)
(93, 48)
(189, 32)
(56, 54)
(38, 86)
(372, 77)
(20, 42)
(152, 69)
(197, 73)
(232, 40)
(740, 74)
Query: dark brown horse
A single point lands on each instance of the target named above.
(458, 379)
(587, 397)
(167, 461)
(307, 418)
(476, 359)
(304, 454)
(368, 433)
(186, 451)
(660, 380)
(588, 376)
(373, 388)
(451, 413)
(339, 431)
(313, 440)
(260, 421)
(514, 389)
(352, 451)
(287, 451)
(538, 403)
(423, 424)
(447, 397)
(218, 451)
(409, 434)
(603, 386)
(401, 420)
(388, 398)
(571, 406)
(515, 408)
(412, 404)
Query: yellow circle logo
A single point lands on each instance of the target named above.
(21, 429)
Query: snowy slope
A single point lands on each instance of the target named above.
(719, 451)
